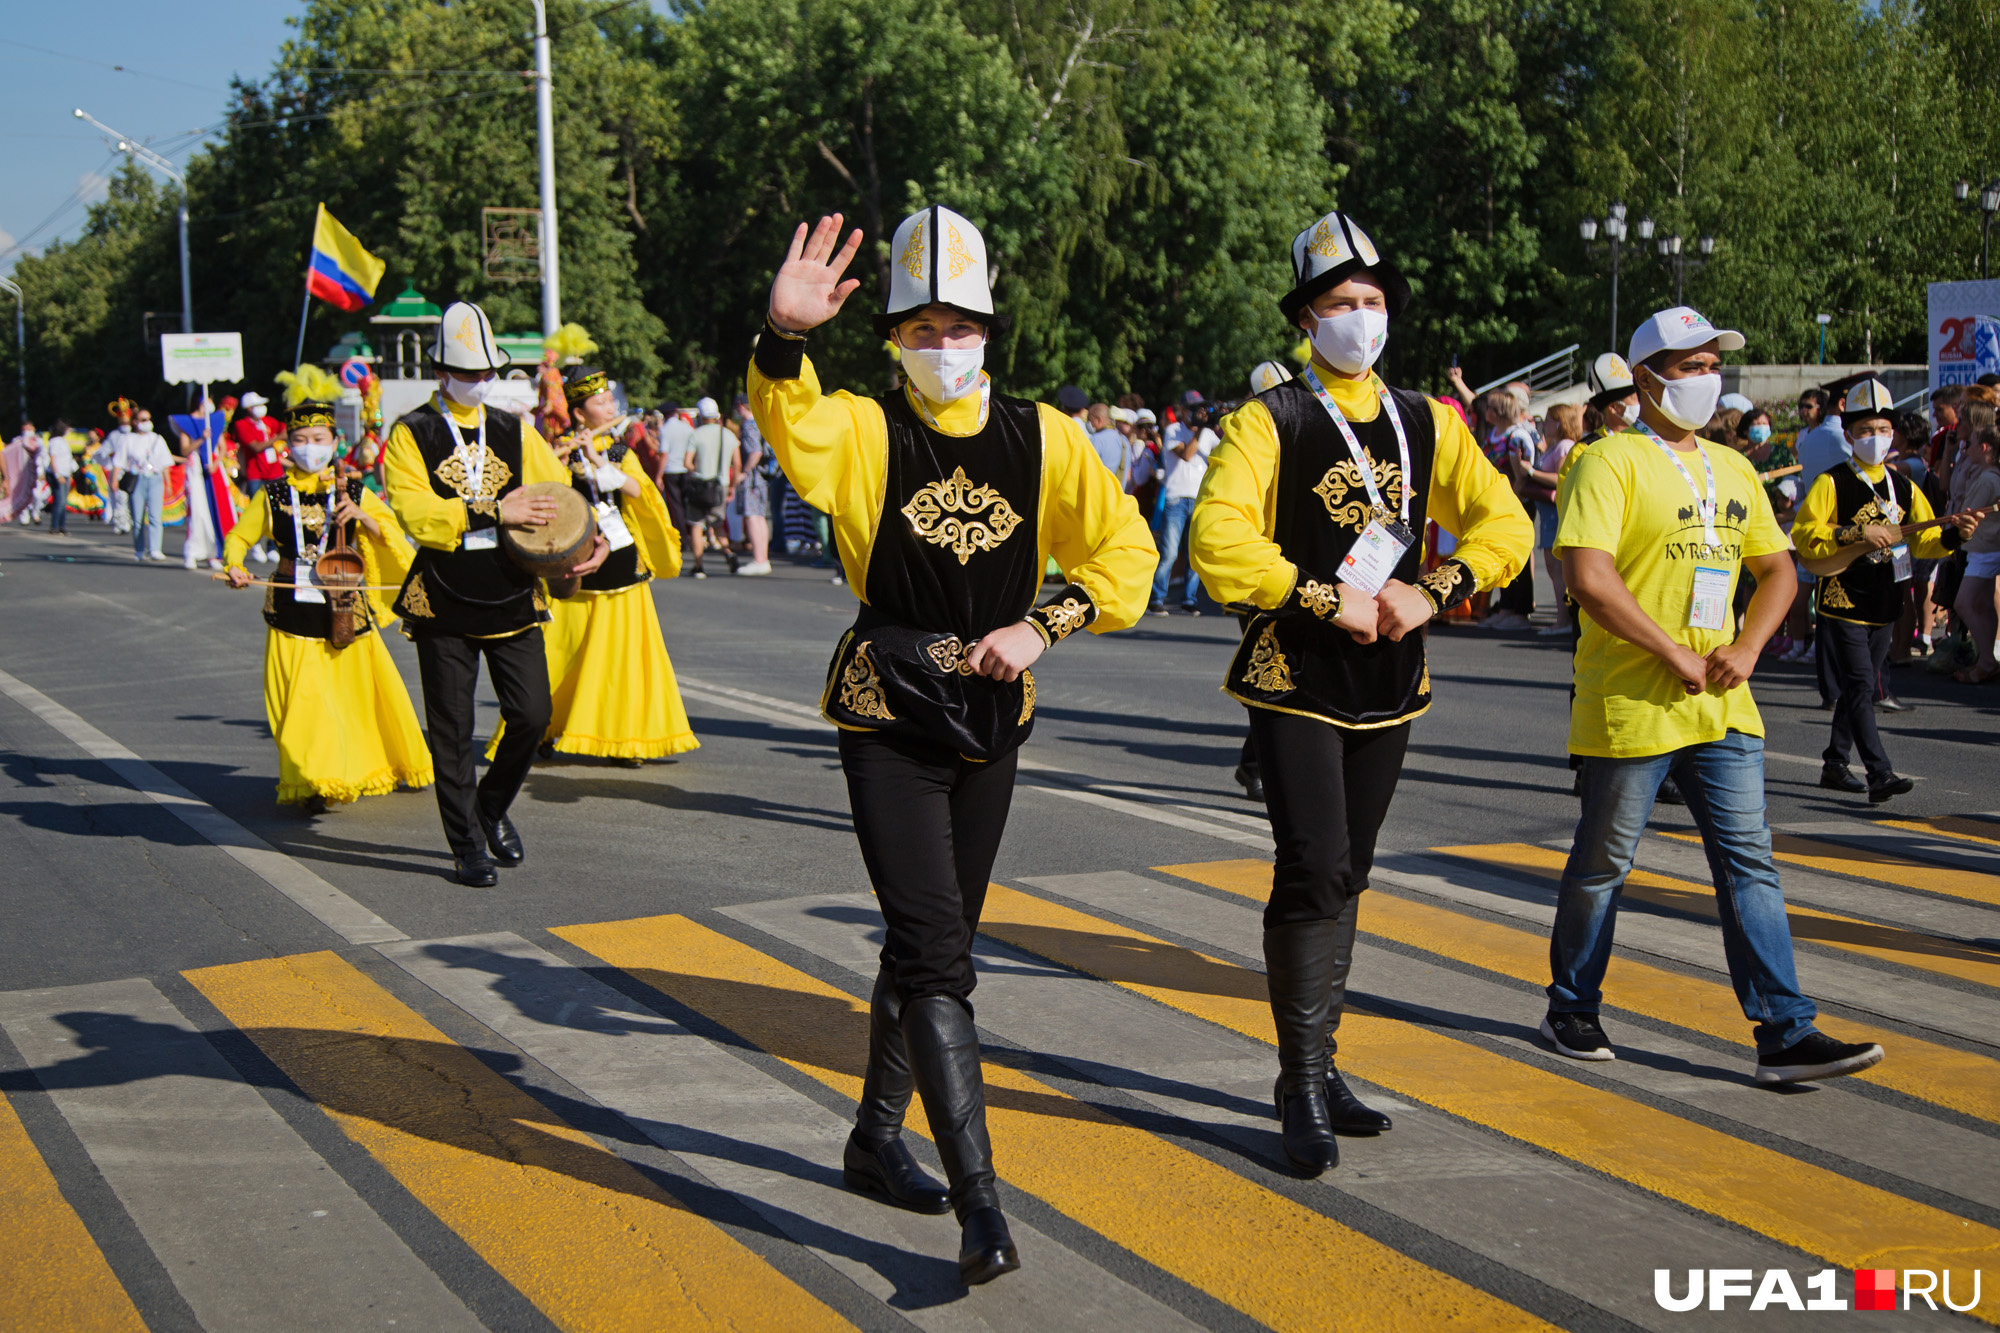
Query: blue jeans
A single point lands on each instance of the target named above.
(1173, 521)
(58, 503)
(1723, 782)
(148, 498)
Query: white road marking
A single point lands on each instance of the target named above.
(329, 906)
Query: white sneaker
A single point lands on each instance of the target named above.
(754, 569)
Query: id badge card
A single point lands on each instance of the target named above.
(1709, 607)
(483, 539)
(307, 592)
(612, 524)
(1901, 556)
(1374, 556)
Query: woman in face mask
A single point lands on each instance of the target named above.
(340, 715)
(949, 500)
(1313, 512)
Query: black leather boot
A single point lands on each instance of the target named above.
(943, 1051)
(1344, 1110)
(877, 1162)
(1298, 966)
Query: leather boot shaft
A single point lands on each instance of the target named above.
(1298, 968)
(943, 1050)
(1343, 963)
(886, 1085)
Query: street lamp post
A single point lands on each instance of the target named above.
(165, 168)
(13, 289)
(1822, 321)
(1988, 204)
(1614, 236)
(545, 134)
(1673, 255)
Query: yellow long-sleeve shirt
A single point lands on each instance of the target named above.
(429, 518)
(1815, 531)
(386, 558)
(1231, 542)
(835, 449)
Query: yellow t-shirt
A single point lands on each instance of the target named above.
(1625, 497)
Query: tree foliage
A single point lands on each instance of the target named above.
(1138, 167)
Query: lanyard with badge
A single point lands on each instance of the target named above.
(1899, 554)
(1708, 605)
(610, 521)
(308, 561)
(478, 539)
(1376, 552)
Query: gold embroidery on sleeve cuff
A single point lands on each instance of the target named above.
(1322, 599)
(1058, 620)
(1442, 585)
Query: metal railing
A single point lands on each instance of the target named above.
(1553, 372)
(1917, 397)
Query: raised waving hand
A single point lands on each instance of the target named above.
(808, 290)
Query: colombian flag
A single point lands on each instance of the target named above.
(342, 273)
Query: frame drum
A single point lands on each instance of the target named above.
(551, 551)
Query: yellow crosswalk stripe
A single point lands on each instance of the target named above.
(1949, 826)
(1843, 1221)
(576, 1229)
(1873, 863)
(56, 1277)
(1277, 1261)
(1891, 944)
(1930, 1072)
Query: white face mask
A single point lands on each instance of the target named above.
(311, 457)
(1630, 411)
(469, 393)
(1353, 340)
(1872, 449)
(144, 428)
(1689, 403)
(257, 410)
(945, 374)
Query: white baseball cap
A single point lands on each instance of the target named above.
(707, 410)
(1676, 330)
(254, 399)
(1126, 415)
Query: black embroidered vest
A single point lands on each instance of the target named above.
(479, 593)
(621, 569)
(282, 611)
(1293, 661)
(956, 556)
(1866, 592)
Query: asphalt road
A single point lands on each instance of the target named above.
(632, 1059)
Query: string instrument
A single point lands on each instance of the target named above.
(340, 570)
(1778, 472)
(276, 583)
(1833, 563)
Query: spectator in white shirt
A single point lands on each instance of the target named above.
(147, 458)
(58, 467)
(1185, 464)
(112, 458)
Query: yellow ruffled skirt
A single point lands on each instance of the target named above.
(611, 683)
(342, 720)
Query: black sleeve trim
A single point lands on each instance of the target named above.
(1314, 598)
(780, 355)
(1447, 585)
(481, 514)
(1063, 615)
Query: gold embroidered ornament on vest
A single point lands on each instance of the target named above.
(1833, 596)
(492, 477)
(417, 602)
(961, 515)
(861, 689)
(1344, 479)
(1268, 670)
(948, 655)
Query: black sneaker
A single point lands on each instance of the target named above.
(1579, 1036)
(1839, 777)
(1156, 609)
(1817, 1055)
(1890, 784)
(1252, 780)
(1670, 792)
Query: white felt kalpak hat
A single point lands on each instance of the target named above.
(938, 258)
(465, 340)
(1268, 375)
(1869, 398)
(1324, 254)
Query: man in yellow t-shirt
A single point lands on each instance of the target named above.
(1655, 531)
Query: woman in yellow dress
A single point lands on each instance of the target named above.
(340, 715)
(610, 681)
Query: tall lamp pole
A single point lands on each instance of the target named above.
(1822, 321)
(545, 133)
(1988, 204)
(1674, 257)
(165, 168)
(1614, 235)
(13, 289)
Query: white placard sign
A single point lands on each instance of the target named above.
(1964, 331)
(201, 358)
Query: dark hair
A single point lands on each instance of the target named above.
(1815, 396)
(1752, 415)
(1950, 395)
(1990, 380)
(61, 427)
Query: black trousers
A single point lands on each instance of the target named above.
(449, 667)
(929, 822)
(1854, 655)
(1327, 789)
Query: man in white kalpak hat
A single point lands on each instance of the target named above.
(455, 477)
(1313, 512)
(949, 500)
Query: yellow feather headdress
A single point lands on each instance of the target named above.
(310, 394)
(568, 343)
